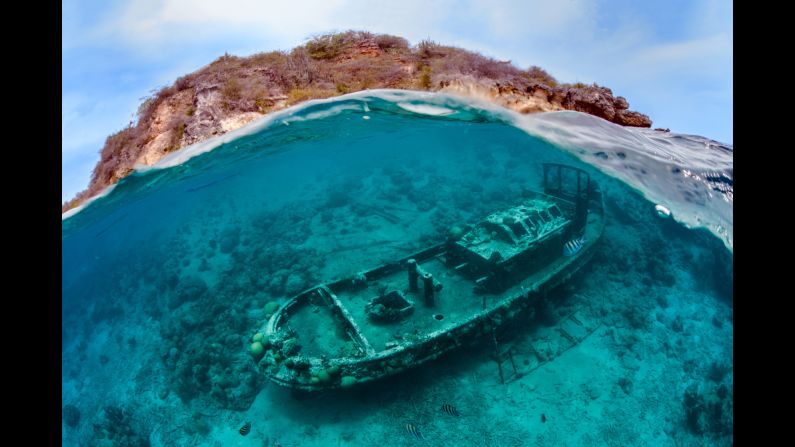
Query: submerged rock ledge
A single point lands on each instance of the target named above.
(232, 91)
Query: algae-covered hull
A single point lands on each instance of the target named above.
(397, 316)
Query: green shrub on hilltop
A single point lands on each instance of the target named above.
(327, 46)
(388, 42)
(539, 74)
(231, 90)
(342, 88)
(427, 49)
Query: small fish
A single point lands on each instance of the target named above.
(414, 431)
(571, 247)
(543, 418)
(451, 410)
(245, 429)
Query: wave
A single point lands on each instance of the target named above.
(424, 109)
(692, 176)
(72, 211)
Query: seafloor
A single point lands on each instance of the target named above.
(156, 323)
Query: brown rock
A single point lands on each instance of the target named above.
(632, 119)
(206, 116)
(599, 101)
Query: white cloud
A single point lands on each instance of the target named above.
(75, 175)
(150, 23)
(75, 108)
(85, 123)
(710, 17)
(520, 19)
(696, 56)
(414, 20)
(145, 23)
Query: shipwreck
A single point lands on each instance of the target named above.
(380, 322)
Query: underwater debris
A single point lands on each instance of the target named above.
(389, 307)
(245, 429)
(543, 418)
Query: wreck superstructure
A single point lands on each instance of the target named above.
(382, 321)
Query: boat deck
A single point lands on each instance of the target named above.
(318, 330)
(453, 304)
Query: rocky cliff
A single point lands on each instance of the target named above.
(232, 91)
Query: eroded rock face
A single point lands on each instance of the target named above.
(368, 47)
(594, 101)
(538, 97)
(599, 101)
(206, 116)
(634, 119)
(507, 96)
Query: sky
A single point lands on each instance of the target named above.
(671, 59)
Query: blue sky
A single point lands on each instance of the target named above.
(671, 59)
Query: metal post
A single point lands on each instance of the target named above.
(427, 284)
(412, 269)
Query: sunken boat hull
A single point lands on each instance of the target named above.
(400, 315)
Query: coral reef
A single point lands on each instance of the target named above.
(709, 412)
(118, 429)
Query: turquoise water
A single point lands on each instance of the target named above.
(165, 280)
